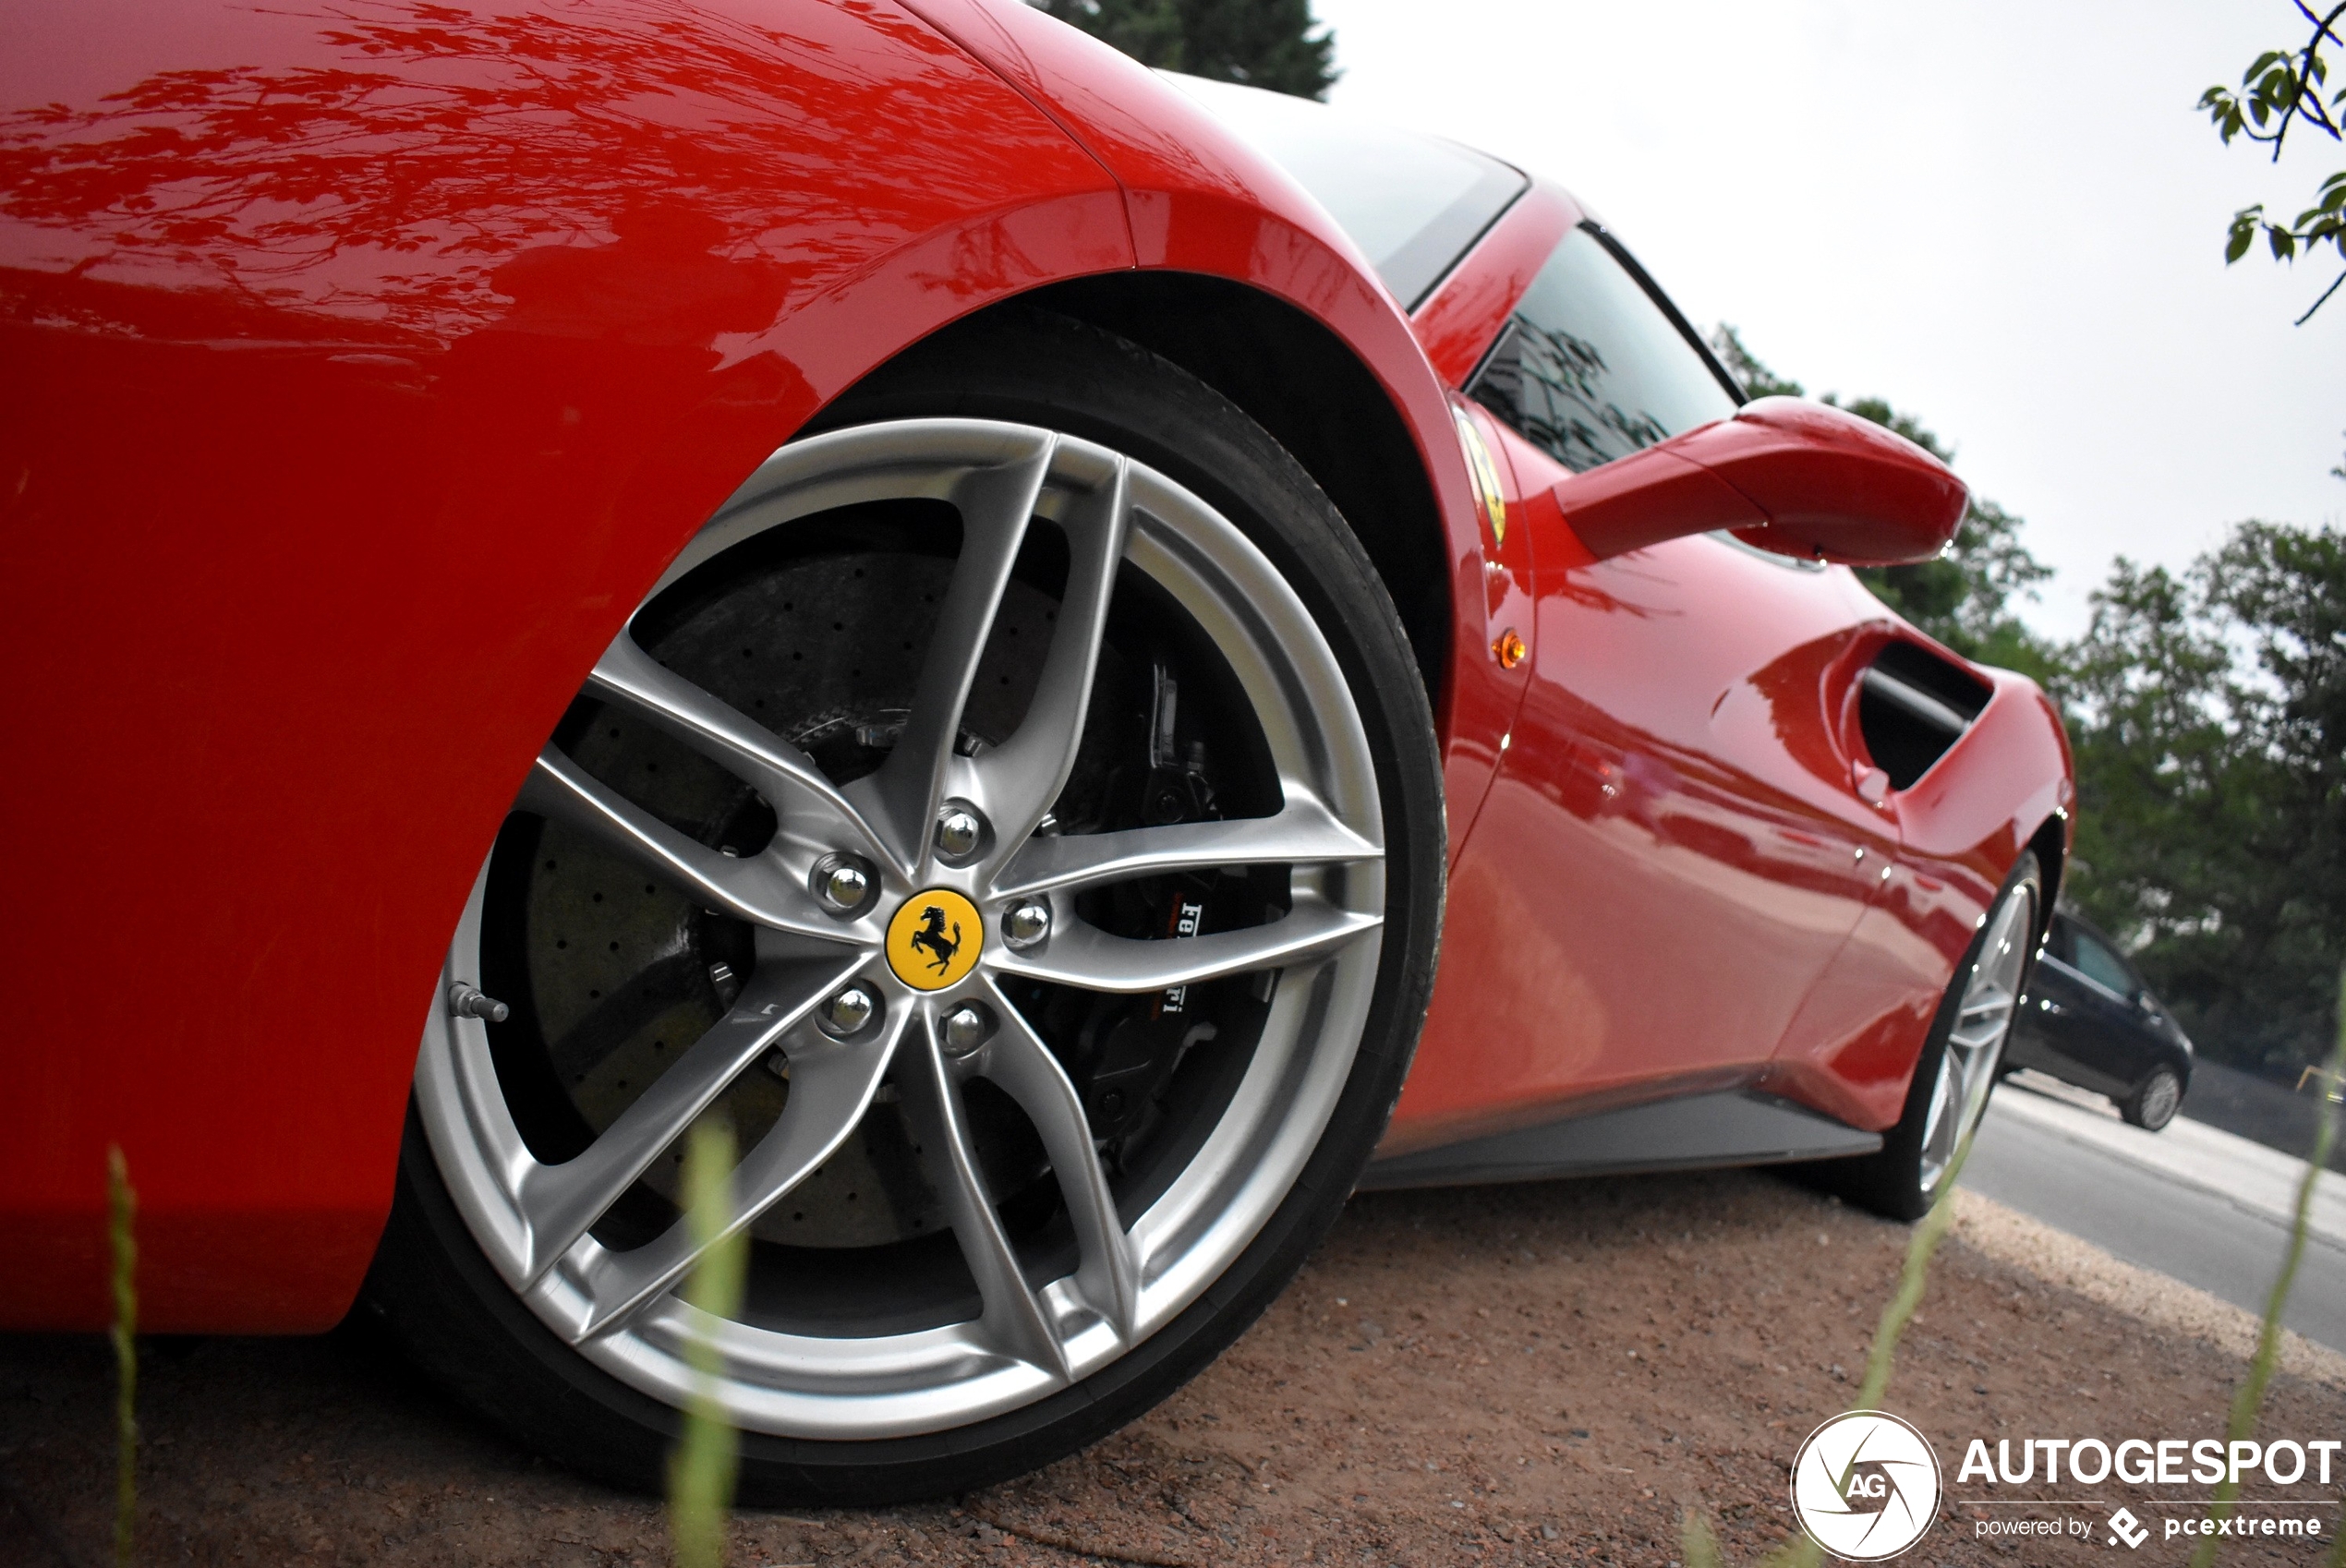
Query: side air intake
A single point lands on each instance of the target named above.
(1914, 705)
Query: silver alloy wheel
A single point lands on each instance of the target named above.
(2161, 1099)
(1975, 1043)
(1132, 1273)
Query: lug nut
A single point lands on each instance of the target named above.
(1026, 923)
(842, 883)
(966, 1028)
(850, 1009)
(960, 830)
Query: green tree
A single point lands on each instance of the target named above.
(1968, 597)
(1267, 44)
(2208, 712)
(2282, 88)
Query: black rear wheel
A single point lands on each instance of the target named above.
(1961, 1061)
(1017, 817)
(2155, 1100)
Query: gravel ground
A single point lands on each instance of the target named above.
(1536, 1374)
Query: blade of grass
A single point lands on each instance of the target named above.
(708, 1456)
(122, 1209)
(1913, 1278)
(2251, 1398)
(1697, 1547)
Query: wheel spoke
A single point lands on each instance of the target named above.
(1304, 833)
(1018, 780)
(785, 776)
(1109, 1275)
(1975, 1039)
(753, 889)
(1981, 1022)
(1013, 1319)
(1937, 1142)
(831, 1084)
(1081, 955)
(996, 504)
(560, 1201)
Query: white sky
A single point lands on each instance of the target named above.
(2004, 217)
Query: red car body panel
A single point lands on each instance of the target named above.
(364, 369)
(1678, 799)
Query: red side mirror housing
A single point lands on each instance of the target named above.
(1785, 473)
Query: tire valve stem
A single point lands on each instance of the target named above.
(470, 1002)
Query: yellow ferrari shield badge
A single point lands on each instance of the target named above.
(934, 939)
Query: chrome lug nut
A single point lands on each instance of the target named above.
(959, 831)
(966, 1028)
(849, 1009)
(842, 883)
(1026, 922)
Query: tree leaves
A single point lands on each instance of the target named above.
(1266, 43)
(2279, 90)
(2244, 234)
(2207, 715)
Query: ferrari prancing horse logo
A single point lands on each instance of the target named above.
(933, 940)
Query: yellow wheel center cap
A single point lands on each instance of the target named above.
(934, 939)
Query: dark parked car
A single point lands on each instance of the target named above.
(2090, 1020)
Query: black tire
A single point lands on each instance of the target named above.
(1890, 1182)
(2155, 1100)
(460, 1321)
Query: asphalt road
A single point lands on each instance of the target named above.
(2193, 1203)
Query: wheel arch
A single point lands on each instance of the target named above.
(1299, 380)
(2051, 841)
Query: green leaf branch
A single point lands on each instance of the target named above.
(2282, 88)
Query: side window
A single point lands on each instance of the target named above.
(1589, 369)
(2096, 961)
(2057, 942)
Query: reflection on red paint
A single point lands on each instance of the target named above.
(363, 368)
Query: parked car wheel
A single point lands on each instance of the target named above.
(1958, 1068)
(2154, 1103)
(1018, 815)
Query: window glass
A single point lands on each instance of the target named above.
(1590, 368)
(1413, 204)
(2096, 961)
(2057, 940)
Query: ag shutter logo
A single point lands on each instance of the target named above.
(1865, 1486)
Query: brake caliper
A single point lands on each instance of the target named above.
(1140, 1053)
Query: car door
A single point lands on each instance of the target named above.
(1673, 850)
(2103, 1026)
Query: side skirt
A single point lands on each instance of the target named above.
(1733, 1128)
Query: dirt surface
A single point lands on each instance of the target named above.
(1535, 1374)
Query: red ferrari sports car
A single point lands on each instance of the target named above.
(874, 573)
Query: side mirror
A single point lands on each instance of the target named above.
(1786, 475)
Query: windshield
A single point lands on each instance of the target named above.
(1414, 204)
